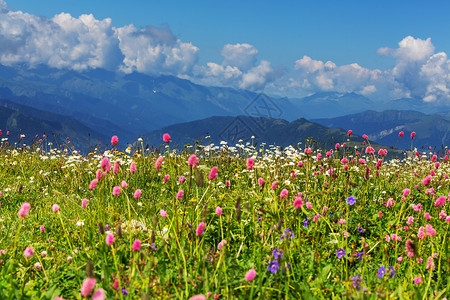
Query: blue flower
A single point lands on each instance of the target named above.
(392, 270)
(351, 200)
(287, 234)
(124, 292)
(381, 272)
(278, 254)
(340, 253)
(273, 266)
(357, 282)
(305, 223)
(360, 229)
(360, 255)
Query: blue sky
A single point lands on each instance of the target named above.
(276, 36)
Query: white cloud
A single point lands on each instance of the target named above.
(242, 56)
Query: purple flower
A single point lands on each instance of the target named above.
(357, 282)
(381, 272)
(273, 266)
(360, 229)
(124, 292)
(360, 255)
(340, 253)
(305, 223)
(351, 200)
(278, 254)
(392, 270)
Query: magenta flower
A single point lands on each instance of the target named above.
(136, 245)
(284, 193)
(110, 239)
(42, 228)
(218, 211)
(114, 140)
(56, 208)
(213, 173)
(93, 184)
(163, 213)
(413, 134)
(349, 133)
(158, 163)
(137, 194)
(24, 210)
(28, 252)
(87, 286)
(250, 162)
(124, 184)
(166, 138)
(440, 201)
(84, 203)
(116, 191)
(180, 194)
(132, 167)
(116, 167)
(200, 228)
(99, 295)
(105, 164)
(193, 161)
(250, 275)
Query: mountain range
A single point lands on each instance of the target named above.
(132, 105)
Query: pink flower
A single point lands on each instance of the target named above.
(163, 213)
(24, 210)
(200, 228)
(308, 205)
(99, 174)
(437, 165)
(116, 191)
(28, 252)
(427, 216)
(284, 193)
(387, 238)
(180, 194)
(84, 203)
(370, 150)
(274, 185)
(124, 184)
(99, 295)
(110, 239)
(362, 161)
(105, 164)
(345, 167)
(447, 219)
(413, 134)
(382, 152)
(440, 201)
(116, 284)
(337, 146)
(319, 156)
(56, 208)
(434, 157)
(227, 183)
(308, 151)
(116, 167)
(198, 297)
(213, 173)
(132, 167)
(93, 184)
(136, 245)
(300, 164)
(410, 221)
(181, 179)
(432, 173)
(400, 134)
(344, 161)
(158, 163)
(260, 181)
(380, 214)
(418, 280)
(219, 211)
(166, 138)
(430, 264)
(400, 259)
(406, 192)
(193, 161)
(349, 133)
(421, 233)
(137, 194)
(114, 140)
(166, 178)
(250, 162)
(87, 286)
(42, 228)
(430, 230)
(442, 215)
(250, 275)
(342, 221)
(417, 207)
(365, 136)
(298, 203)
(221, 244)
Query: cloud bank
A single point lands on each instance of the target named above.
(82, 43)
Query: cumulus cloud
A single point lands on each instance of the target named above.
(242, 56)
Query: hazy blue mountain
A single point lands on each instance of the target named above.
(268, 130)
(19, 119)
(383, 127)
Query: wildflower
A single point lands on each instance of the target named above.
(219, 211)
(421, 233)
(136, 245)
(158, 163)
(193, 161)
(273, 266)
(260, 181)
(24, 210)
(287, 234)
(349, 133)
(298, 203)
(180, 194)
(116, 191)
(274, 185)
(370, 150)
(227, 183)
(360, 229)
(364, 136)
(116, 167)
(181, 179)
(87, 286)
(221, 244)
(200, 228)
(342, 221)
(132, 167)
(116, 284)
(284, 193)
(406, 192)
(430, 230)
(99, 294)
(198, 297)
(440, 201)
(427, 216)
(213, 173)
(442, 215)
(124, 184)
(250, 275)
(105, 164)
(44, 253)
(426, 181)
(400, 134)
(430, 264)
(357, 282)
(163, 213)
(109, 239)
(413, 134)
(417, 280)
(84, 203)
(410, 221)
(166, 138)
(351, 200)
(382, 152)
(410, 248)
(278, 254)
(114, 140)
(42, 228)
(56, 208)
(305, 222)
(392, 271)
(250, 162)
(300, 164)
(340, 253)
(137, 194)
(381, 271)
(124, 291)
(166, 178)
(28, 252)
(93, 184)
(400, 259)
